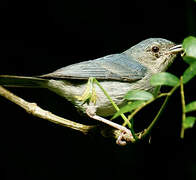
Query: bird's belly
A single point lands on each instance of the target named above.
(115, 89)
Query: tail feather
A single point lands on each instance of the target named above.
(22, 81)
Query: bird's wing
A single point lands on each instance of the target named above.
(118, 67)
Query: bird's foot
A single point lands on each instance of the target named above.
(124, 137)
(125, 134)
(89, 94)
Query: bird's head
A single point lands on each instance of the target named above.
(155, 53)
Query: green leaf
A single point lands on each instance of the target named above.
(189, 122)
(189, 60)
(164, 78)
(156, 91)
(189, 73)
(190, 107)
(189, 46)
(138, 95)
(128, 108)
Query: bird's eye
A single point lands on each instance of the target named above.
(155, 49)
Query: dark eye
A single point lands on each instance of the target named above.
(155, 49)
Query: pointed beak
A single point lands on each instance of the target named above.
(176, 49)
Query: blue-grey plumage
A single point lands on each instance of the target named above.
(120, 67)
(117, 73)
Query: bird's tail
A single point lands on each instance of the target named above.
(22, 81)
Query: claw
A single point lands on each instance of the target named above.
(124, 137)
(120, 140)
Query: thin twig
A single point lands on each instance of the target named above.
(149, 128)
(144, 105)
(183, 106)
(152, 124)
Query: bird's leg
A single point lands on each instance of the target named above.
(89, 94)
(125, 135)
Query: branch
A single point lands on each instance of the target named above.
(35, 110)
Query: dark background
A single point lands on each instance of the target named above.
(37, 37)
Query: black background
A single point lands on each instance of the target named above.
(37, 37)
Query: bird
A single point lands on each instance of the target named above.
(116, 73)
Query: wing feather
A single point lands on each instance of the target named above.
(118, 67)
